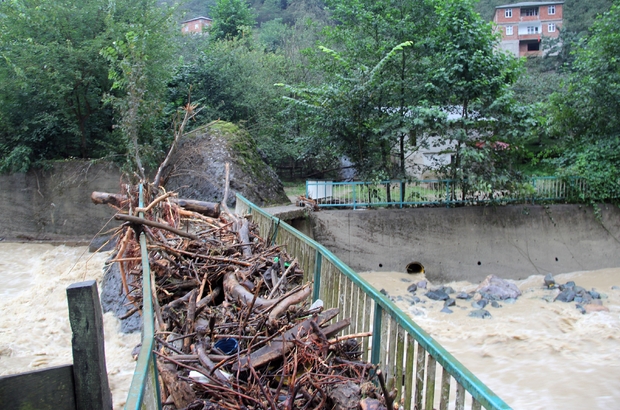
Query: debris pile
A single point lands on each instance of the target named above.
(234, 324)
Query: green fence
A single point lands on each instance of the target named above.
(144, 389)
(440, 192)
(425, 375)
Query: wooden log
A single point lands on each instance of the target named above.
(294, 299)
(92, 391)
(211, 209)
(233, 288)
(100, 198)
(181, 392)
(142, 221)
(279, 347)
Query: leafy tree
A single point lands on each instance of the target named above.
(472, 74)
(53, 79)
(585, 117)
(234, 81)
(231, 18)
(141, 61)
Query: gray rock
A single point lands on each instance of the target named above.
(500, 288)
(449, 302)
(567, 295)
(495, 304)
(579, 290)
(437, 294)
(615, 287)
(580, 309)
(548, 298)
(384, 291)
(114, 300)
(595, 294)
(480, 313)
(416, 299)
(102, 243)
(422, 284)
(549, 281)
(446, 310)
(447, 289)
(412, 288)
(567, 285)
(197, 167)
(510, 301)
(463, 295)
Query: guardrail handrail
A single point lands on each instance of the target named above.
(397, 360)
(448, 192)
(144, 388)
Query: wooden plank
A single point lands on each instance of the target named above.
(430, 382)
(419, 376)
(409, 371)
(92, 391)
(460, 397)
(445, 390)
(400, 360)
(47, 389)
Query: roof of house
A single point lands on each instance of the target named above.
(529, 4)
(197, 18)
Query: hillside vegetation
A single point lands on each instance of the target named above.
(312, 81)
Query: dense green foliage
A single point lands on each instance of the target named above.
(55, 76)
(374, 81)
(585, 118)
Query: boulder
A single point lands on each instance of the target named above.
(498, 288)
(197, 168)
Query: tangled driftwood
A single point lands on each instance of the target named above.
(235, 328)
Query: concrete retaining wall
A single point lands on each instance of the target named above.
(54, 204)
(472, 242)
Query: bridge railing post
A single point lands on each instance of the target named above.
(92, 390)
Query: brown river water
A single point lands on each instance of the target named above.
(534, 354)
(35, 332)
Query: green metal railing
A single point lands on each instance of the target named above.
(144, 390)
(406, 354)
(440, 192)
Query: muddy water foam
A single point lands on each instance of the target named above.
(534, 354)
(35, 332)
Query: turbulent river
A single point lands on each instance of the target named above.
(35, 332)
(534, 354)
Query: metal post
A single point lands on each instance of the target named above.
(375, 353)
(317, 276)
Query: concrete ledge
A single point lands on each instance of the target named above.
(470, 243)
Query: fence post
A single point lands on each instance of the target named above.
(317, 276)
(375, 353)
(402, 193)
(354, 187)
(92, 391)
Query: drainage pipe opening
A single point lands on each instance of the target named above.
(415, 267)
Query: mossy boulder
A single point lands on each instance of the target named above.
(197, 170)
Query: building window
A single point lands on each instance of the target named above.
(186, 28)
(508, 13)
(509, 30)
(533, 46)
(532, 30)
(196, 26)
(529, 11)
(551, 10)
(551, 28)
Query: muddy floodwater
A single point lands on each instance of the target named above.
(35, 332)
(535, 353)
